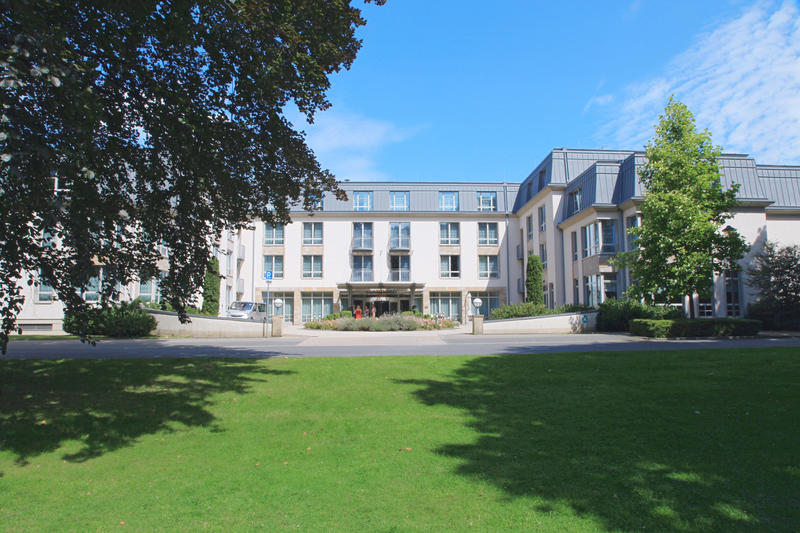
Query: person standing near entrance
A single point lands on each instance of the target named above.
(358, 311)
(372, 311)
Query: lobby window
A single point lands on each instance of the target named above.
(362, 235)
(274, 263)
(92, 291)
(529, 226)
(487, 201)
(448, 200)
(399, 235)
(543, 255)
(449, 266)
(487, 234)
(488, 267)
(446, 304)
(273, 235)
(149, 291)
(312, 233)
(400, 268)
(399, 201)
(362, 201)
(542, 218)
(448, 233)
(491, 300)
(362, 268)
(312, 266)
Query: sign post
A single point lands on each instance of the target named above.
(268, 318)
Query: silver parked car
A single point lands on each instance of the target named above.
(247, 310)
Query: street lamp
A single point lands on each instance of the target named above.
(477, 302)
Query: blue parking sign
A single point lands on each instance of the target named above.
(268, 275)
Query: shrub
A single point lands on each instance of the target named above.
(615, 315)
(776, 317)
(124, 320)
(519, 310)
(347, 313)
(705, 327)
(573, 308)
(402, 322)
(533, 281)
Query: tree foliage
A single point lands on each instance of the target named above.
(211, 288)
(681, 242)
(775, 272)
(534, 280)
(163, 122)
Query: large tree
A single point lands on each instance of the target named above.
(161, 122)
(681, 241)
(533, 281)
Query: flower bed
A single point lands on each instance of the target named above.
(405, 322)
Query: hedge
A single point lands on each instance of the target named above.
(699, 327)
(616, 315)
(127, 319)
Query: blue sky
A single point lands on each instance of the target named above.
(458, 90)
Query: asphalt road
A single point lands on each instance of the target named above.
(344, 344)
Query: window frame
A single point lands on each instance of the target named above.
(449, 241)
(276, 274)
(448, 206)
(312, 272)
(358, 197)
(450, 273)
(393, 206)
(487, 272)
(314, 239)
(491, 196)
(275, 229)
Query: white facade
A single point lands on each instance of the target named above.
(433, 247)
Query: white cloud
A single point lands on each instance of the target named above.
(348, 144)
(741, 81)
(599, 100)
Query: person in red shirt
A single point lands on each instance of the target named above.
(358, 311)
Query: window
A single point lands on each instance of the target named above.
(574, 202)
(543, 255)
(362, 201)
(590, 239)
(312, 232)
(542, 218)
(529, 226)
(400, 268)
(544, 295)
(399, 235)
(609, 236)
(574, 245)
(46, 292)
(487, 234)
(362, 268)
(488, 267)
(273, 235)
(599, 288)
(399, 201)
(448, 200)
(449, 266)
(630, 223)
(312, 266)
(491, 300)
(448, 233)
(541, 179)
(149, 291)
(609, 286)
(315, 306)
(275, 264)
(92, 291)
(288, 304)
(446, 304)
(576, 292)
(552, 293)
(487, 201)
(531, 192)
(362, 235)
(733, 293)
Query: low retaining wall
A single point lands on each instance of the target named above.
(168, 325)
(584, 322)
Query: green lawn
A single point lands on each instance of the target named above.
(613, 441)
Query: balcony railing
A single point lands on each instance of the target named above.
(242, 253)
(399, 243)
(400, 274)
(240, 286)
(362, 275)
(362, 243)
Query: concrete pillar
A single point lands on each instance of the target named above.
(477, 324)
(277, 325)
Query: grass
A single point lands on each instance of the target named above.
(610, 441)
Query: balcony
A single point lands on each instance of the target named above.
(362, 275)
(240, 286)
(241, 253)
(400, 243)
(362, 243)
(400, 274)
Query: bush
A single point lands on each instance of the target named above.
(703, 327)
(519, 310)
(573, 308)
(125, 320)
(615, 315)
(775, 317)
(402, 322)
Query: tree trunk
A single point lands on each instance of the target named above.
(691, 306)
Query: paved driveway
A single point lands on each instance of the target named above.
(303, 343)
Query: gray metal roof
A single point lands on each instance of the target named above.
(742, 170)
(781, 184)
(423, 196)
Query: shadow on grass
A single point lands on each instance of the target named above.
(109, 404)
(659, 441)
